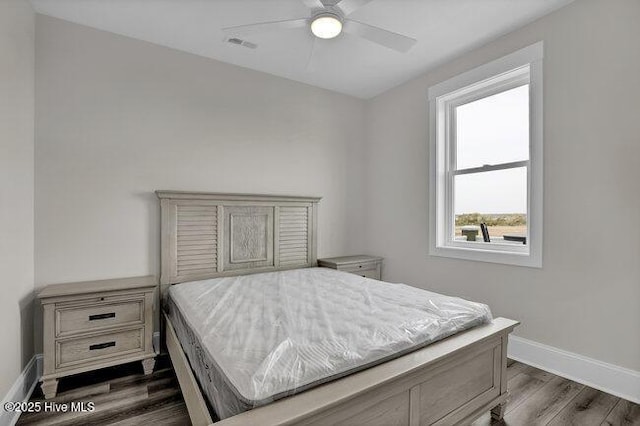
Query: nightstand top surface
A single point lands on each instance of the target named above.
(346, 260)
(87, 287)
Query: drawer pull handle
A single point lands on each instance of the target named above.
(102, 316)
(101, 346)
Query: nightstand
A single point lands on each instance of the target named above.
(96, 324)
(366, 266)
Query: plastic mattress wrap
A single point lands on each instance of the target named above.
(253, 339)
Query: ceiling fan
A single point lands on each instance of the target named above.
(328, 19)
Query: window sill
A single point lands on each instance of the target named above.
(486, 254)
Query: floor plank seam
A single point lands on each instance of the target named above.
(610, 411)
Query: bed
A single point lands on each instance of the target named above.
(400, 356)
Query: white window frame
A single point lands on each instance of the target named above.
(524, 66)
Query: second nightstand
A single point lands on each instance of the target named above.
(91, 325)
(363, 265)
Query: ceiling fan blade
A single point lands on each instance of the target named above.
(262, 27)
(309, 66)
(313, 4)
(377, 35)
(348, 6)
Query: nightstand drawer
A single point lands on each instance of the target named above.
(87, 318)
(363, 265)
(73, 351)
(368, 271)
(355, 267)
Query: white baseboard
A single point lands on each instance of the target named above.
(22, 389)
(600, 375)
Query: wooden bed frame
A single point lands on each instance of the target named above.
(206, 235)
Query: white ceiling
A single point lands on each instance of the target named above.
(348, 64)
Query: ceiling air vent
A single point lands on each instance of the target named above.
(240, 42)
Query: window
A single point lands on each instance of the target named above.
(486, 162)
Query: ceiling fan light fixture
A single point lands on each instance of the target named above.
(326, 25)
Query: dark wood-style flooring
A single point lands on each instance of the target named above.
(123, 396)
(540, 398)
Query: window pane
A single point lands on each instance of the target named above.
(494, 129)
(497, 198)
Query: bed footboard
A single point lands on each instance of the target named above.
(453, 381)
(454, 391)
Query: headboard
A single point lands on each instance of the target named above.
(209, 235)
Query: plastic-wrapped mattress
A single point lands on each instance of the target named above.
(253, 339)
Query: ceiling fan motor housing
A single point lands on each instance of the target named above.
(326, 25)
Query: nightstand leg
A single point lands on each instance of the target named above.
(49, 388)
(148, 364)
(497, 412)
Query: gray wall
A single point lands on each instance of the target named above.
(16, 188)
(585, 298)
(119, 118)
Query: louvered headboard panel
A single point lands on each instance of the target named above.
(294, 235)
(196, 239)
(206, 235)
